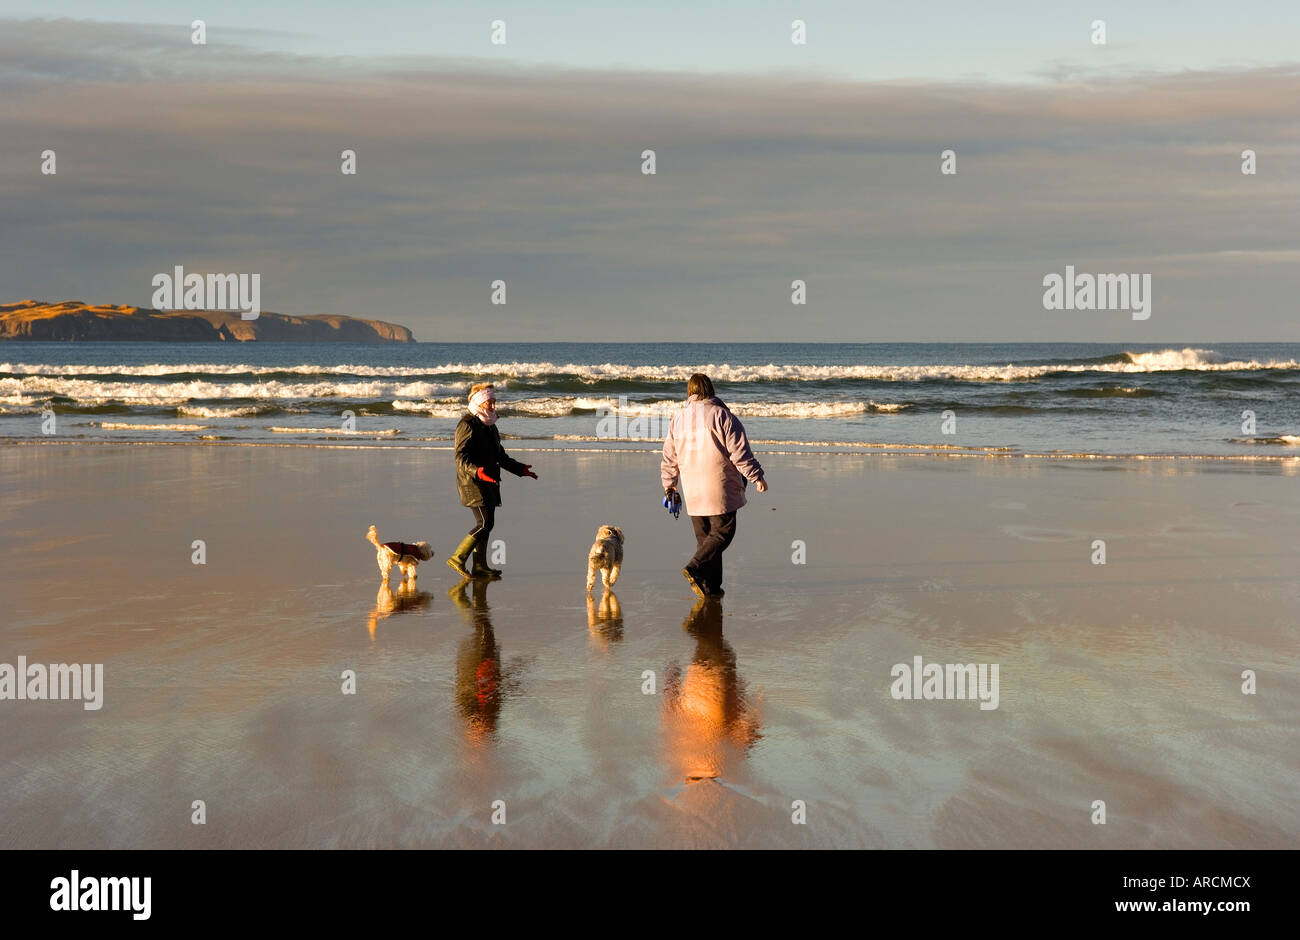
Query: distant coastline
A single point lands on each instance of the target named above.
(77, 321)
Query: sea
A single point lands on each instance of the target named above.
(971, 399)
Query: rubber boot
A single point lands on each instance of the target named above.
(481, 569)
(457, 560)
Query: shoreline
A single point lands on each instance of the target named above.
(846, 450)
(1037, 401)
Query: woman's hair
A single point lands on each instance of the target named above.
(478, 387)
(700, 384)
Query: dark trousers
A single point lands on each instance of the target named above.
(485, 518)
(712, 536)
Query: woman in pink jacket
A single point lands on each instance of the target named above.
(707, 454)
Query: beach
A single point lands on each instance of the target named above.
(224, 681)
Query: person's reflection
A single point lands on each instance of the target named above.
(480, 680)
(387, 603)
(604, 622)
(708, 721)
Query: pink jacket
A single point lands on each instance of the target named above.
(706, 449)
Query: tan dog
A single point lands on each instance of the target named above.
(606, 556)
(406, 555)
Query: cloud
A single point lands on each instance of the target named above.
(229, 156)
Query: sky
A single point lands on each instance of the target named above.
(1003, 40)
(522, 162)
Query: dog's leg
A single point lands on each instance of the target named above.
(591, 576)
(613, 576)
(381, 558)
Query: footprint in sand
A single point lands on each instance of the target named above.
(1036, 534)
(1197, 530)
(1007, 504)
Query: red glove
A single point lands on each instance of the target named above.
(483, 475)
(528, 471)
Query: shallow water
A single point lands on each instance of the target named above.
(1092, 398)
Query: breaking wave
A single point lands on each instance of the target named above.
(135, 426)
(1287, 440)
(456, 376)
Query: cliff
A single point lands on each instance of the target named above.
(75, 320)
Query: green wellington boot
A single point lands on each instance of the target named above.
(481, 569)
(457, 560)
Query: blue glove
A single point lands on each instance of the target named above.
(672, 502)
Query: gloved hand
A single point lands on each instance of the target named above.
(528, 471)
(483, 475)
(672, 502)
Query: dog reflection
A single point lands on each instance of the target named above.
(481, 681)
(708, 719)
(604, 620)
(407, 597)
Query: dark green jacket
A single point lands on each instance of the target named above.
(479, 445)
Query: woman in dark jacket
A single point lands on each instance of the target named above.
(480, 458)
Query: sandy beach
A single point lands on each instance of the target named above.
(222, 681)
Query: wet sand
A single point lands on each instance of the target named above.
(1118, 682)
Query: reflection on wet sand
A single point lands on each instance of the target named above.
(604, 622)
(708, 720)
(387, 603)
(481, 681)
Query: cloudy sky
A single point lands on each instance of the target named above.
(522, 162)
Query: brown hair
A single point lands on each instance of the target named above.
(700, 384)
(475, 389)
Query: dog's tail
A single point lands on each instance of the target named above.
(372, 537)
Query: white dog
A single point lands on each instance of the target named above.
(406, 555)
(606, 556)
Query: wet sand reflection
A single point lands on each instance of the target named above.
(709, 722)
(481, 681)
(604, 621)
(387, 603)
